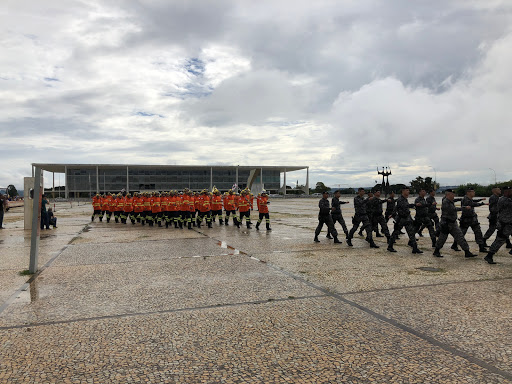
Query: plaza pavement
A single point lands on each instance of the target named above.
(118, 303)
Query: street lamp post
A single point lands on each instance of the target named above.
(494, 175)
(435, 176)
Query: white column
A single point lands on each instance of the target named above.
(284, 184)
(211, 178)
(307, 181)
(127, 181)
(97, 180)
(66, 190)
(261, 179)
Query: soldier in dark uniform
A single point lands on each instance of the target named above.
(336, 215)
(493, 215)
(432, 211)
(449, 225)
(422, 218)
(390, 207)
(369, 213)
(469, 218)
(404, 219)
(504, 224)
(324, 217)
(361, 216)
(375, 205)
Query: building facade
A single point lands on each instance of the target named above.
(85, 179)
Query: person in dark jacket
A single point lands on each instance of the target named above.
(361, 216)
(504, 224)
(449, 225)
(404, 220)
(324, 217)
(336, 214)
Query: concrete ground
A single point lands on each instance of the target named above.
(118, 303)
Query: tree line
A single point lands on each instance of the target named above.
(417, 184)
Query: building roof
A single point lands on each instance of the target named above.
(60, 168)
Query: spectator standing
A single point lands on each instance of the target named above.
(51, 218)
(3, 208)
(44, 213)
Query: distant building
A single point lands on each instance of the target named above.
(85, 179)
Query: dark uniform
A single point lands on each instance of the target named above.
(504, 227)
(361, 216)
(469, 219)
(336, 215)
(375, 205)
(493, 216)
(324, 217)
(390, 209)
(422, 219)
(404, 219)
(432, 214)
(449, 226)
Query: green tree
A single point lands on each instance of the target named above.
(12, 191)
(321, 188)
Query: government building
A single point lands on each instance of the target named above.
(82, 180)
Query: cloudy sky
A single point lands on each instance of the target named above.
(341, 86)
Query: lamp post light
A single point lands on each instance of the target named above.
(494, 175)
(435, 176)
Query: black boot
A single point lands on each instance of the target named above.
(468, 254)
(92, 218)
(268, 227)
(349, 242)
(420, 234)
(390, 248)
(361, 232)
(257, 226)
(220, 221)
(509, 244)
(378, 235)
(373, 245)
(189, 225)
(209, 224)
(329, 236)
(437, 253)
(454, 247)
(166, 224)
(346, 235)
(416, 250)
(316, 239)
(101, 218)
(481, 248)
(198, 224)
(489, 259)
(485, 243)
(433, 243)
(226, 222)
(248, 224)
(336, 241)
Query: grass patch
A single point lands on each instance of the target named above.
(25, 272)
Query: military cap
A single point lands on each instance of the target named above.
(405, 187)
(449, 190)
(470, 190)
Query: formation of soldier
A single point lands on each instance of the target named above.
(185, 209)
(369, 214)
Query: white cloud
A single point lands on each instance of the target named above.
(339, 88)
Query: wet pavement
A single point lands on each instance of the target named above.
(122, 303)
